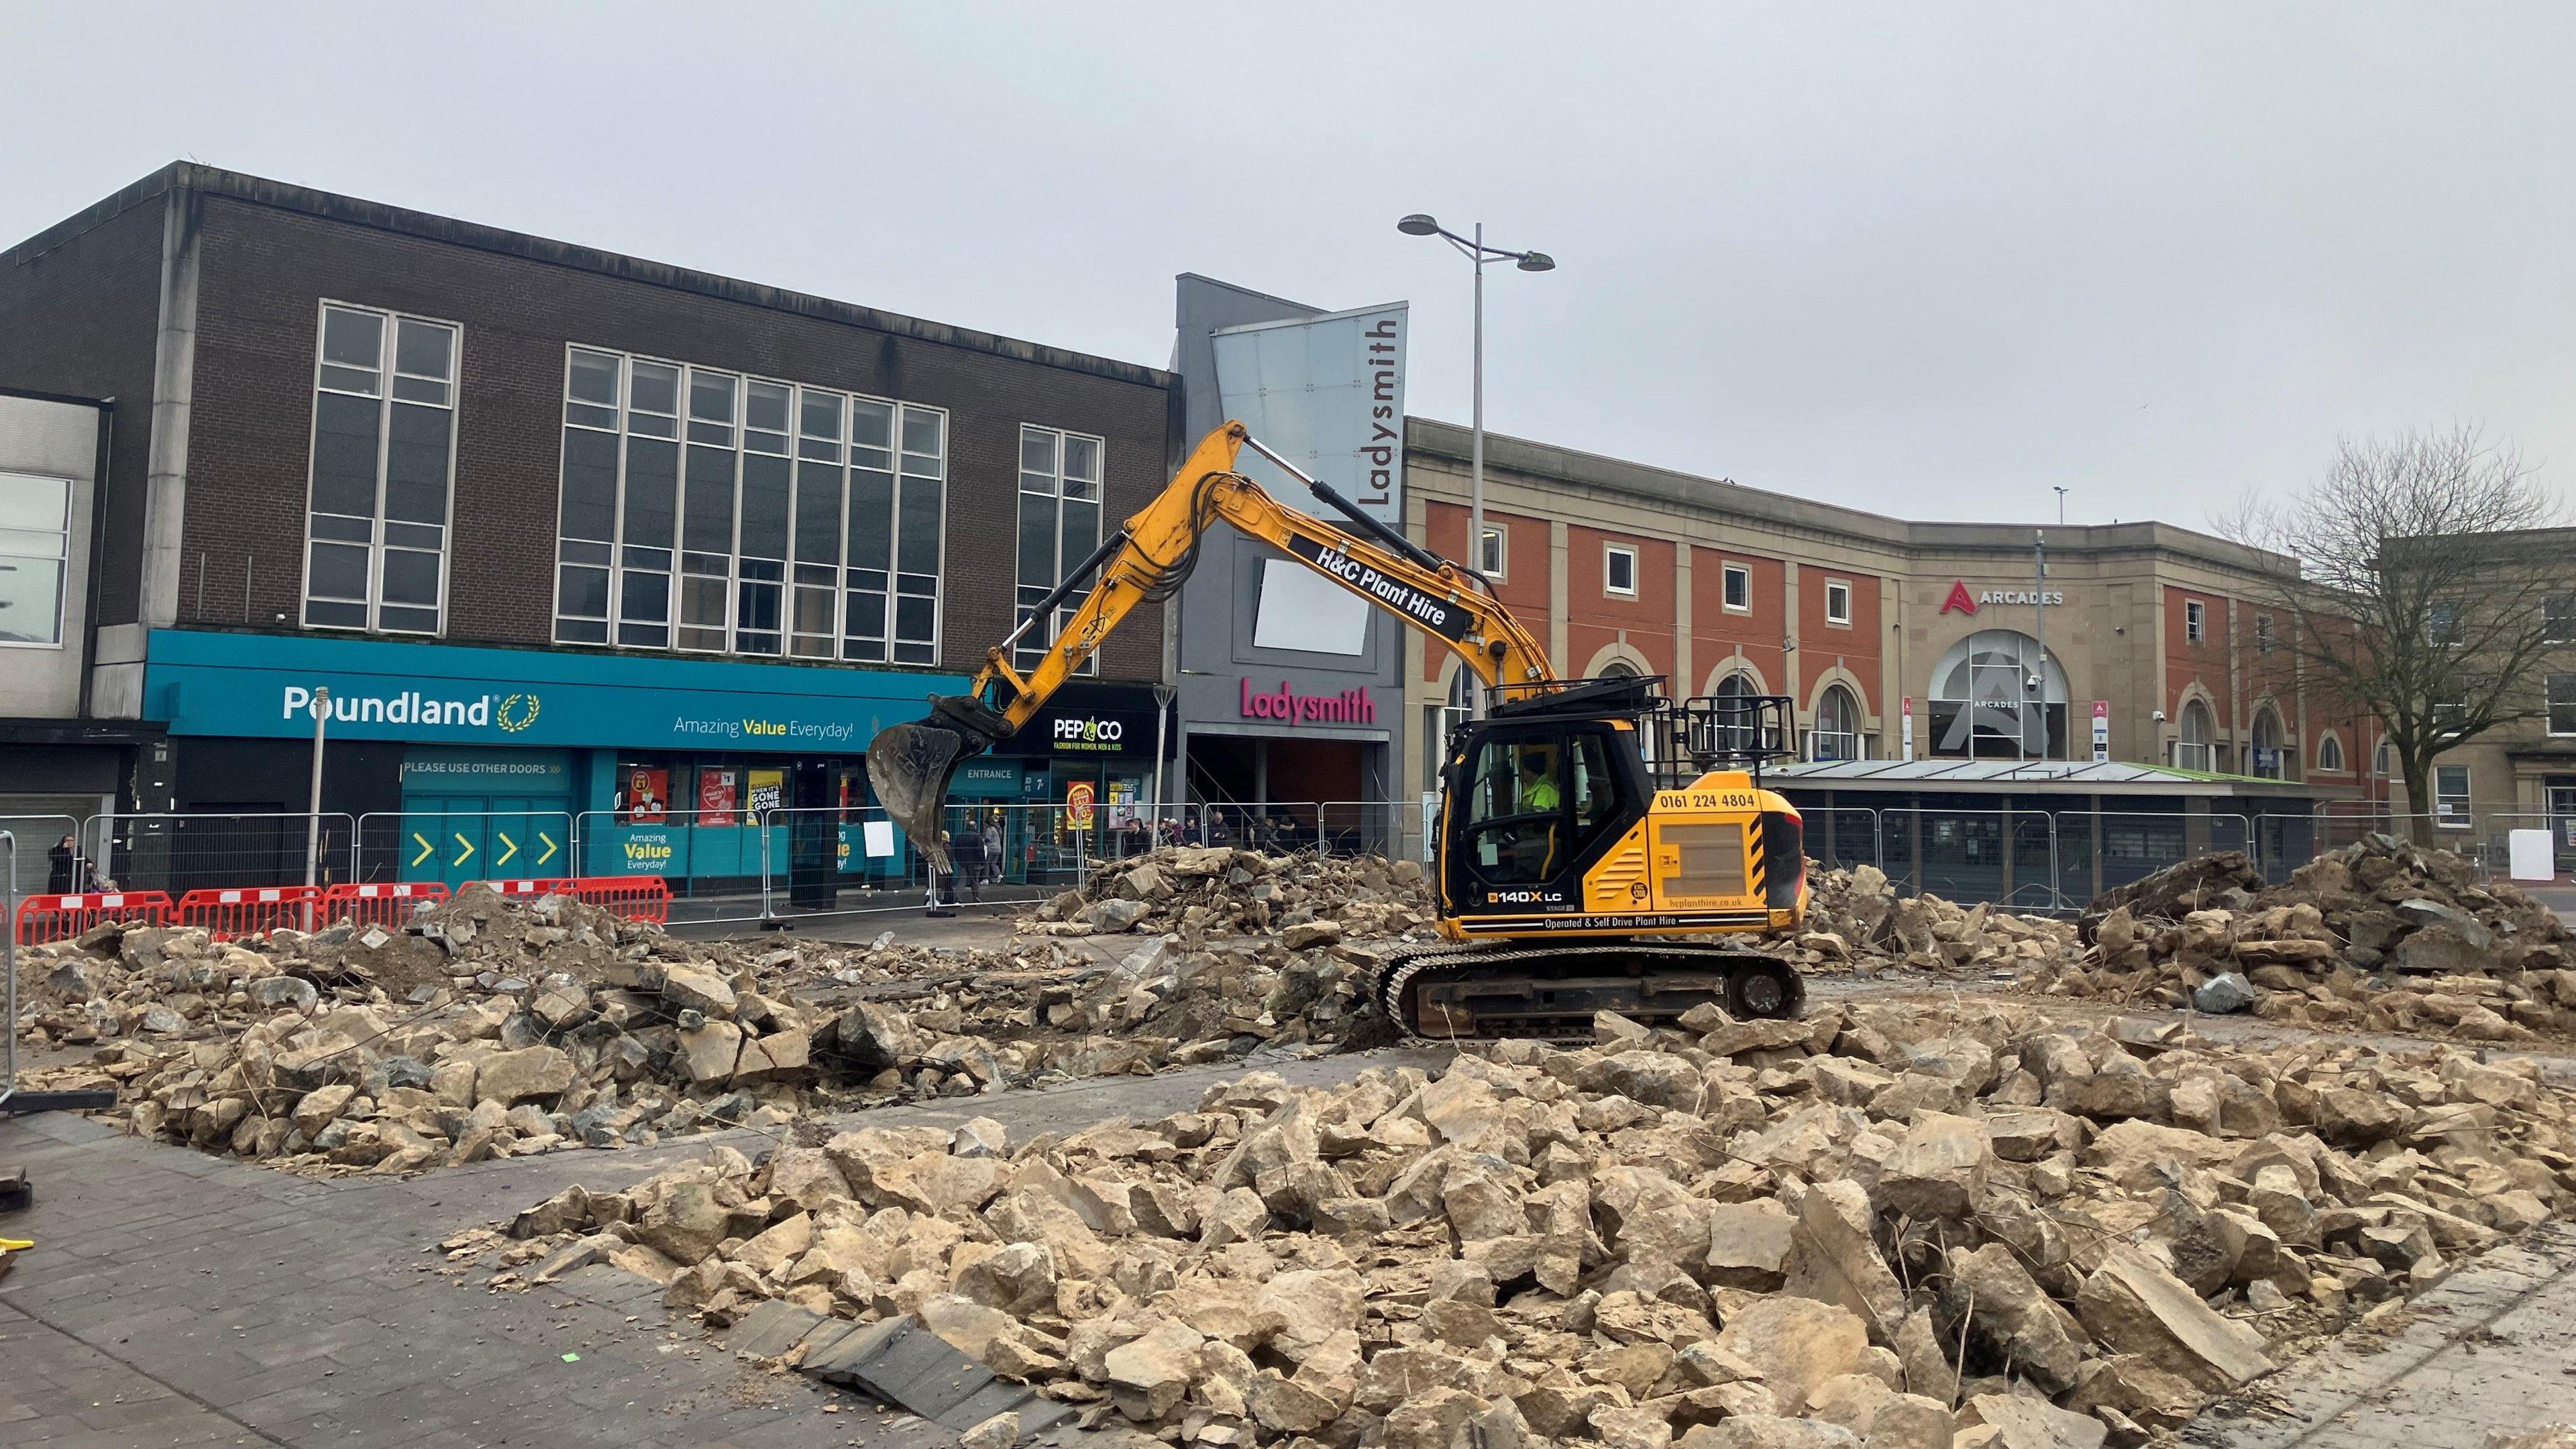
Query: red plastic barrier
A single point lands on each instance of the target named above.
(635, 897)
(60, 918)
(380, 905)
(521, 889)
(250, 910)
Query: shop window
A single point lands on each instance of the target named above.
(1838, 603)
(2562, 704)
(714, 512)
(2451, 797)
(1736, 581)
(35, 545)
(643, 792)
(384, 454)
(1059, 528)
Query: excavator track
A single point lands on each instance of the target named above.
(1495, 991)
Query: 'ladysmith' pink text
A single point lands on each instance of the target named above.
(1351, 706)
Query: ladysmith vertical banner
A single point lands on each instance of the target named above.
(1327, 393)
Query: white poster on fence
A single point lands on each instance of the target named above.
(878, 836)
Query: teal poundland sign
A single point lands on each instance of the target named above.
(206, 683)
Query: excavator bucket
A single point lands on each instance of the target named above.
(910, 764)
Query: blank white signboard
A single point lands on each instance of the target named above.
(877, 836)
(1301, 609)
(2531, 855)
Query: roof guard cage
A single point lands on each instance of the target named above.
(1681, 742)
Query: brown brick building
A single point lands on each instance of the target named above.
(720, 530)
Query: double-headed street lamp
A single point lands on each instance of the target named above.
(1474, 248)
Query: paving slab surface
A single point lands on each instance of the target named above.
(179, 1299)
(174, 1298)
(2489, 1351)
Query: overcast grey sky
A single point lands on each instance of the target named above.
(1929, 260)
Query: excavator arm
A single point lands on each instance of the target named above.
(1147, 559)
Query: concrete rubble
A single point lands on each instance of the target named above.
(1899, 1226)
(2380, 935)
(1197, 892)
(1857, 920)
(490, 1026)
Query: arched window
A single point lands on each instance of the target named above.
(2382, 761)
(2266, 762)
(2196, 751)
(1996, 695)
(1836, 732)
(1618, 669)
(1736, 726)
(1439, 719)
(2330, 755)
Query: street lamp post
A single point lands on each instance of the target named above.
(1475, 250)
(313, 815)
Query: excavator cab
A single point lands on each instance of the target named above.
(1538, 803)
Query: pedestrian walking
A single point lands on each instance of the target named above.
(63, 878)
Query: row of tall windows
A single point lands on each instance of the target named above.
(713, 512)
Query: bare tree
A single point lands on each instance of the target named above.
(2417, 598)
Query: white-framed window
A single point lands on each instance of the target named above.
(1838, 602)
(2382, 760)
(1619, 570)
(384, 469)
(1835, 734)
(2442, 623)
(713, 511)
(2329, 755)
(2558, 619)
(2264, 760)
(2195, 621)
(1495, 558)
(2451, 797)
(1059, 528)
(2562, 703)
(35, 550)
(1736, 588)
(2198, 748)
(2262, 633)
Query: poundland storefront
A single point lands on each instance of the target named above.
(455, 763)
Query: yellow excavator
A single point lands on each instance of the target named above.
(1597, 843)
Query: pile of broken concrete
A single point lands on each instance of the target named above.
(2381, 935)
(1881, 1225)
(494, 1026)
(1198, 892)
(1856, 919)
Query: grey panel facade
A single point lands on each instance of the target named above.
(1215, 656)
